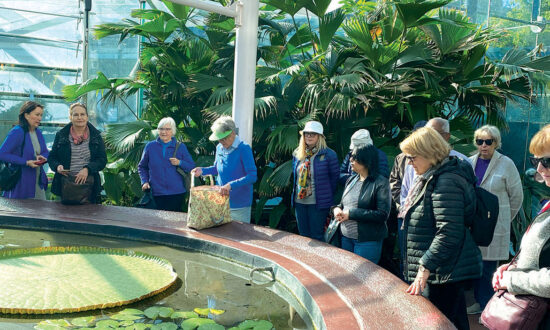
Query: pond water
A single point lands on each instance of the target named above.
(203, 281)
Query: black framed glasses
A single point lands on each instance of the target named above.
(545, 161)
(309, 134)
(488, 142)
(410, 158)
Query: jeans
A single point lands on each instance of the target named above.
(241, 214)
(370, 250)
(449, 299)
(311, 221)
(483, 287)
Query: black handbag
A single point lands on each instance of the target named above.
(76, 194)
(147, 201)
(186, 176)
(10, 173)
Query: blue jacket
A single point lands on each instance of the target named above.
(239, 170)
(156, 168)
(346, 172)
(325, 172)
(10, 151)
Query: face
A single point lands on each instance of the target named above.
(541, 169)
(34, 117)
(356, 166)
(311, 139)
(78, 117)
(165, 133)
(485, 151)
(228, 140)
(419, 163)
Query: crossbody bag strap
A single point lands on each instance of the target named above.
(176, 150)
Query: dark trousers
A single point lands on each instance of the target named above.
(311, 220)
(169, 202)
(449, 299)
(483, 287)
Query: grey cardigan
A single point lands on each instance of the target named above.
(529, 277)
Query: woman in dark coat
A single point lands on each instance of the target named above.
(78, 149)
(365, 205)
(441, 253)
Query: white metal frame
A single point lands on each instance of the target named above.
(246, 13)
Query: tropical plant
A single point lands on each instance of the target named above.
(381, 66)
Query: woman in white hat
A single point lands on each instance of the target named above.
(234, 168)
(316, 172)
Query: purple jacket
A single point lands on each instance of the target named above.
(326, 171)
(10, 151)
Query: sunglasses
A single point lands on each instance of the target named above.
(488, 142)
(309, 134)
(545, 161)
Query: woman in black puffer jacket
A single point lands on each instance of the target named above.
(441, 253)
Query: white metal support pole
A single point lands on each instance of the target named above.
(246, 47)
(244, 81)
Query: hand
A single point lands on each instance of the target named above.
(419, 283)
(224, 190)
(61, 170)
(337, 213)
(81, 176)
(174, 161)
(197, 171)
(40, 160)
(32, 164)
(145, 186)
(499, 274)
(344, 216)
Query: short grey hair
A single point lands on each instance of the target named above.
(224, 124)
(490, 130)
(441, 123)
(170, 121)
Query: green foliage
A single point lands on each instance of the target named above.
(375, 65)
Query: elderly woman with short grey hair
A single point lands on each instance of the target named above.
(158, 167)
(234, 168)
(499, 175)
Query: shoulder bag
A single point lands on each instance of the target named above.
(207, 207)
(10, 173)
(76, 194)
(506, 311)
(186, 176)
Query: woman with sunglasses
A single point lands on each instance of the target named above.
(25, 146)
(157, 167)
(530, 272)
(497, 174)
(442, 256)
(365, 205)
(316, 172)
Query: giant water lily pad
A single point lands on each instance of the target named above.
(72, 279)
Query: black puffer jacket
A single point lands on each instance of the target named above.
(61, 155)
(436, 235)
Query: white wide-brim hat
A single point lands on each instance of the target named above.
(360, 138)
(313, 127)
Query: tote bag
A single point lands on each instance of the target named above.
(207, 206)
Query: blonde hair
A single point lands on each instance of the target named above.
(540, 143)
(490, 130)
(428, 143)
(300, 152)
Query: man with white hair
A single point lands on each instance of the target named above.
(358, 139)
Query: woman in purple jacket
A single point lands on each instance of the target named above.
(316, 172)
(25, 146)
(157, 167)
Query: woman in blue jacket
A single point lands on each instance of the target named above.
(316, 172)
(157, 168)
(234, 168)
(25, 146)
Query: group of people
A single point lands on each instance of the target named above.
(430, 187)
